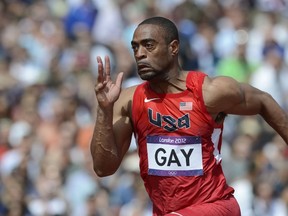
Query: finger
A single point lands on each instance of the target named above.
(100, 69)
(99, 87)
(107, 67)
(119, 79)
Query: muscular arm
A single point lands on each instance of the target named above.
(113, 130)
(112, 135)
(223, 94)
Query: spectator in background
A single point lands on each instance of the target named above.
(265, 204)
(236, 65)
(80, 17)
(272, 75)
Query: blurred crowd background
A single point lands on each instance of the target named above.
(48, 70)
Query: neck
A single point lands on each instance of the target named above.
(171, 84)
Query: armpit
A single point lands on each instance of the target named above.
(220, 117)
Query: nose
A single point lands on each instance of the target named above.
(140, 53)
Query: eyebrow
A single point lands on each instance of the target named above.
(143, 41)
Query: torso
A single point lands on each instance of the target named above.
(178, 145)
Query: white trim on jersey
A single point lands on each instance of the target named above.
(215, 139)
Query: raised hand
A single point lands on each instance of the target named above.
(106, 91)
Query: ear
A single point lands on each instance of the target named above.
(174, 47)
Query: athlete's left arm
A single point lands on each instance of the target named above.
(224, 94)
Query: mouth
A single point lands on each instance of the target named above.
(143, 67)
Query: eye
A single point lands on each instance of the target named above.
(134, 48)
(149, 46)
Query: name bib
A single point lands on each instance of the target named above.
(174, 156)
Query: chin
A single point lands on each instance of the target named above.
(147, 76)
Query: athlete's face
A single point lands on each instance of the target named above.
(152, 53)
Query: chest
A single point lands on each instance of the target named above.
(184, 115)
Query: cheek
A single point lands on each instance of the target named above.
(160, 60)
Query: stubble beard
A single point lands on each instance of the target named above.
(148, 76)
(153, 75)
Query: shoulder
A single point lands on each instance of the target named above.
(128, 92)
(123, 104)
(219, 83)
(127, 95)
(219, 92)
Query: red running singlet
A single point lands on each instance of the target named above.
(179, 147)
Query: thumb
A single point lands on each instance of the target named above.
(119, 79)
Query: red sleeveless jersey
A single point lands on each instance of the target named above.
(179, 147)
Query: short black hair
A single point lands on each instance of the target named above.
(170, 29)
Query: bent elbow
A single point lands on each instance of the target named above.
(103, 172)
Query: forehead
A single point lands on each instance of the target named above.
(148, 31)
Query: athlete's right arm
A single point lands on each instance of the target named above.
(113, 129)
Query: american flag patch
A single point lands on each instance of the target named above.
(186, 106)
